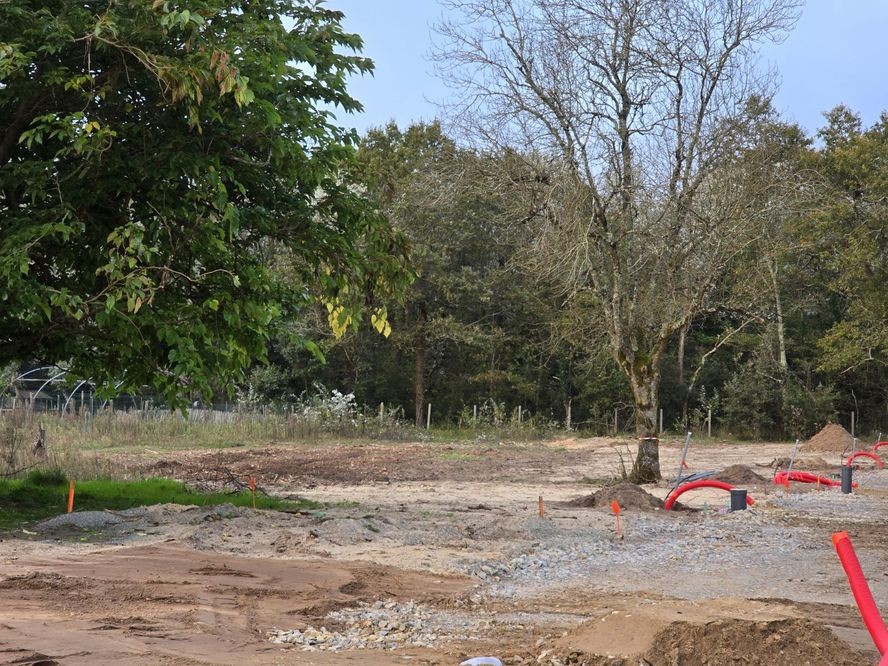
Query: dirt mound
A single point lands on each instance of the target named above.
(648, 640)
(790, 641)
(832, 439)
(628, 496)
(738, 475)
(804, 464)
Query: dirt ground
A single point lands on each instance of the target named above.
(428, 553)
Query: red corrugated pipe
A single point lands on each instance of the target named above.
(702, 483)
(862, 594)
(807, 477)
(866, 454)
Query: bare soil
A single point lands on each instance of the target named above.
(740, 475)
(832, 439)
(627, 495)
(455, 529)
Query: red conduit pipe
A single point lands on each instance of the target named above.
(702, 483)
(866, 454)
(880, 445)
(861, 591)
(807, 477)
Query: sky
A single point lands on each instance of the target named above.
(837, 54)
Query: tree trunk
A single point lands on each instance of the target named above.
(778, 309)
(419, 384)
(644, 383)
(682, 337)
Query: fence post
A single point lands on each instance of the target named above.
(661, 421)
(709, 422)
(616, 425)
(429, 417)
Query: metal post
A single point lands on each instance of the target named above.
(792, 459)
(661, 421)
(475, 414)
(519, 414)
(709, 423)
(429, 417)
(684, 455)
(852, 424)
(616, 426)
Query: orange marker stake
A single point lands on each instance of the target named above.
(615, 507)
(542, 508)
(70, 495)
(253, 490)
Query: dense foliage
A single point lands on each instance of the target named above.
(798, 340)
(171, 186)
(177, 203)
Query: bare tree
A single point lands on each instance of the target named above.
(620, 120)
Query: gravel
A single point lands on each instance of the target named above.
(86, 520)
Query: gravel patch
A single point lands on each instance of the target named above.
(85, 520)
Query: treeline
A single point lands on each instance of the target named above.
(796, 337)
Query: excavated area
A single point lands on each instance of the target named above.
(425, 554)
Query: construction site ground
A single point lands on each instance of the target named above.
(430, 553)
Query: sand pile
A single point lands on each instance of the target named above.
(832, 439)
(628, 496)
(739, 475)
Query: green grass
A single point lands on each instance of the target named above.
(42, 494)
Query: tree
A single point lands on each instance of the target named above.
(848, 236)
(458, 245)
(153, 159)
(850, 232)
(623, 118)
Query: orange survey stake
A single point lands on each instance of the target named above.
(70, 495)
(615, 507)
(253, 490)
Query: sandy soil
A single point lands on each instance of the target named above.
(456, 529)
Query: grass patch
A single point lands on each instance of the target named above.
(455, 456)
(42, 494)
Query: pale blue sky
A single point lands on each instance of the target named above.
(838, 53)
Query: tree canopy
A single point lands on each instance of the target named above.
(172, 184)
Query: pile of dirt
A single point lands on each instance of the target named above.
(790, 641)
(738, 475)
(719, 641)
(627, 495)
(832, 439)
(804, 464)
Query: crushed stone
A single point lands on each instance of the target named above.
(85, 520)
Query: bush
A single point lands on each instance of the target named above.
(46, 477)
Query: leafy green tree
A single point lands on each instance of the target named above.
(850, 233)
(154, 159)
(461, 252)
